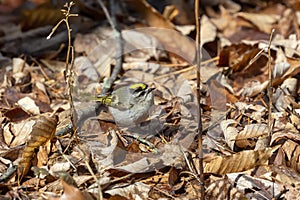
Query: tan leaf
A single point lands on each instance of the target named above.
(292, 152)
(239, 162)
(220, 189)
(42, 131)
(292, 71)
(71, 192)
(252, 131)
(152, 16)
(29, 105)
(136, 190)
(254, 88)
(263, 22)
(41, 16)
(230, 133)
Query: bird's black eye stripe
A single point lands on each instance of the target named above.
(141, 93)
(139, 89)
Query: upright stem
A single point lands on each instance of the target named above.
(198, 60)
(270, 89)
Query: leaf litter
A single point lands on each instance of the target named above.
(161, 160)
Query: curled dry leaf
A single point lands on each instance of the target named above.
(239, 162)
(71, 192)
(42, 131)
(230, 133)
(292, 152)
(41, 16)
(29, 105)
(280, 69)
(220, 189)
(254, 89)
(263, 25)
(152, 16)
(250, 132)
(244, 182)
(137, 190)
(283, 98)
(18, 64)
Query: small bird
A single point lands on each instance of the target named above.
(129, 105)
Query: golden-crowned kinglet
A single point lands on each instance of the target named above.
(129, 105)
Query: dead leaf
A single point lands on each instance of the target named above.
(292, 152)
(71, 192)
(41, 16)
(29, 105)
(230, 133)
(239, 162)
(263, 22)
(136, 190)
(42, 131)
(221, 189)
(152, 17)
(246, 138)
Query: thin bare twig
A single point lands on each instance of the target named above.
(270, 88)
(95, 178)
(69, 78)
(198, 60)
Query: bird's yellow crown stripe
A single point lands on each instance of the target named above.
(143, 86)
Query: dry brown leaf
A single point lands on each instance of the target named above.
(221, 189)
(280, 69)
(147, 45)
(152, 16)
(239, 162)
(252, 131)
(227, 23)
(83, 66)
(16, 134)
(18, 65)
(41, 16)
(286, 134)
(209, 31)
(184, 14)
(284, 97)
(292, 71)
(42, 131)
(285, 175)
(29, 105)
(286, 22)
(290, 44)
(136, 190)
(253, 88)
(239, 58)
(263, 22)
(178, 44)
(219, 95)
(71, 192)
(16, 114)
(292, 152)
(230, 133)
(251, 182)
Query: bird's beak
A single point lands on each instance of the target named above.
(151, 89)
